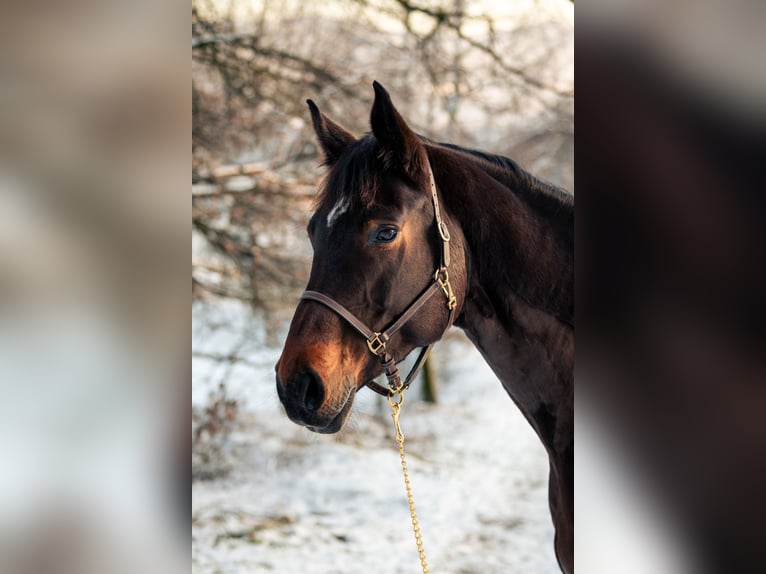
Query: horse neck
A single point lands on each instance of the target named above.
(519, 305)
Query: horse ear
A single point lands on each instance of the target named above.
(400, 144)
(332, 138)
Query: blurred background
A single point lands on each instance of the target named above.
(268, 495)
(94, 354)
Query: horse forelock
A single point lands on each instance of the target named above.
(353, 182)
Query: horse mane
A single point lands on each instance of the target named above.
(539, 194)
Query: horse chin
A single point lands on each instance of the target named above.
(338, 421)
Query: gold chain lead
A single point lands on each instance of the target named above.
(395, 411)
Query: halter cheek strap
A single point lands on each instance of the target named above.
(377, 341)
(441, 227)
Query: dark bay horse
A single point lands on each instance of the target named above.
(502, 247)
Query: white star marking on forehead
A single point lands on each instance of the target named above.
(339, 209)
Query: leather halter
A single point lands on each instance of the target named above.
(377, 341)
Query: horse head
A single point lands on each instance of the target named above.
(376, 247)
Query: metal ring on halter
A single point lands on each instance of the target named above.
(392, 394)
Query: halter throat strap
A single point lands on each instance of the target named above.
(377, 341)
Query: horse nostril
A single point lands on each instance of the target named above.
(310, 389)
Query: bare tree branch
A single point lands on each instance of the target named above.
(453, 20)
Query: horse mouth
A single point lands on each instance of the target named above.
(338, 421)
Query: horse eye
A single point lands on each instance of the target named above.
(386, 235)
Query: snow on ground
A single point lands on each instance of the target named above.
(298, 502)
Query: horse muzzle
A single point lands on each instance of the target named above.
(304, 397)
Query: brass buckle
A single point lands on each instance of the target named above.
(446, 287)
(443, 231)
(376, 344)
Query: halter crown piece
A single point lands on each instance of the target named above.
(377, 341)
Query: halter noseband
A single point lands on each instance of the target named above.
(377, 341)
